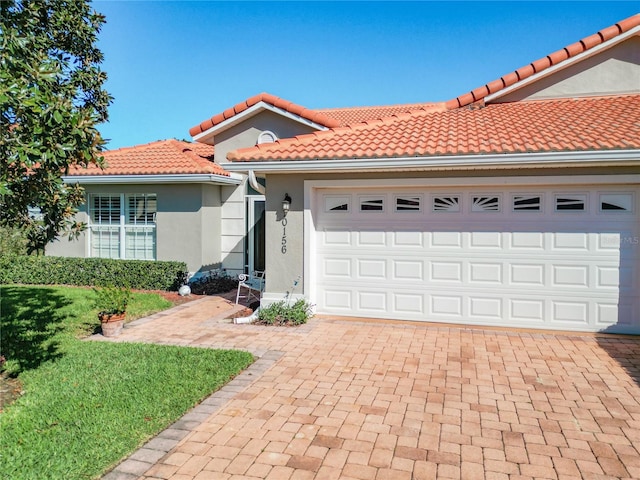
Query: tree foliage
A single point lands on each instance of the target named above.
(51, 99)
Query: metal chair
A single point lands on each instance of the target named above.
(250, 286)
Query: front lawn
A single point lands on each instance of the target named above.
(86, 405)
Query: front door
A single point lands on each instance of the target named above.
(255, 233)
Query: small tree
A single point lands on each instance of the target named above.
(51, 99)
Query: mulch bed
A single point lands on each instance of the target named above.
(175, 297)
(10, 389)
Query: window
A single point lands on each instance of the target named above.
(409, 203)
(616, 202)
(446, 203)
(485, 204)
(335, 203)
(123, 226)
(529, 203)
(570, 203)
(371, 204)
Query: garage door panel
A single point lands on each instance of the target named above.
(544, 269)
(336, 300)
(570, 242)
(372, 269)
(442, 306)
(407, 239)
(408, 270)
(445, 271)
(484, 272)
(527, 310)
(526, 241)
(483, 240)
(372, 301)
(334, 238)
(336, 267)
(566, 311)
(527, 274)
(445, 239)
(408, 303)
(371, 239)
(485, 307)
(565, 276)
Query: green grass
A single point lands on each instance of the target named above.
(89, 404)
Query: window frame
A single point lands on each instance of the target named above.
(123, 225)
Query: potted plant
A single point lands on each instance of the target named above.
(112, 306)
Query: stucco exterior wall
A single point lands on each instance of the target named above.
(284, 268)
(187, 224)
(246, 134)
(615, 71)
(63, 247)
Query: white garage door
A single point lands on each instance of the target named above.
(561, 258)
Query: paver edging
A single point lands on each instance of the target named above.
(136, 464)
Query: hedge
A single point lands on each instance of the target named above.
(100, 272)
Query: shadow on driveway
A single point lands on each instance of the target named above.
(625, 350)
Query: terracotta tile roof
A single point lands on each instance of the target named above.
(327, 117)
(164, 157)
(351, 115)
(311, 115)
(552, 59)
(585, 124)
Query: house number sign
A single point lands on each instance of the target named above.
(284, 235)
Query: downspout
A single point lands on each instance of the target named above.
(253, 181)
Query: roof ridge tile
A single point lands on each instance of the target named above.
(537, 66)
(286, 105)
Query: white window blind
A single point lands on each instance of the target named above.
(123, 226)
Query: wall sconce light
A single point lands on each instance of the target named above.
(286, 204)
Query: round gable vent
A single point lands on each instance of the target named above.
(266, 137)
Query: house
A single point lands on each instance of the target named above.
(516, 204)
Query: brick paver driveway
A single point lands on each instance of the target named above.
(339, 399)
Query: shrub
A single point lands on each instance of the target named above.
(112, 300)
(100, 272)
(217, 282)
(283, 313)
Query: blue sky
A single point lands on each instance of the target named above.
(173, 64)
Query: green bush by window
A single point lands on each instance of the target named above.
(99, 272)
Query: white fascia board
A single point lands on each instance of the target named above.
(232, 179)
(562, 65)
(249, 112)
(447, 162)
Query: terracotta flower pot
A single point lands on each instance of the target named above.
(112, 324)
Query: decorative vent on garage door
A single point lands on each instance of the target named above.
(485, 204)
(446, 203)
(408, 203)
(527, 202)
(336, 203)
(571, 203)
(616, 202)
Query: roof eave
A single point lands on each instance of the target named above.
(446, 162)
(231, 179)
(207, 135)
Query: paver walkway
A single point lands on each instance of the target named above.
(349, 399)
